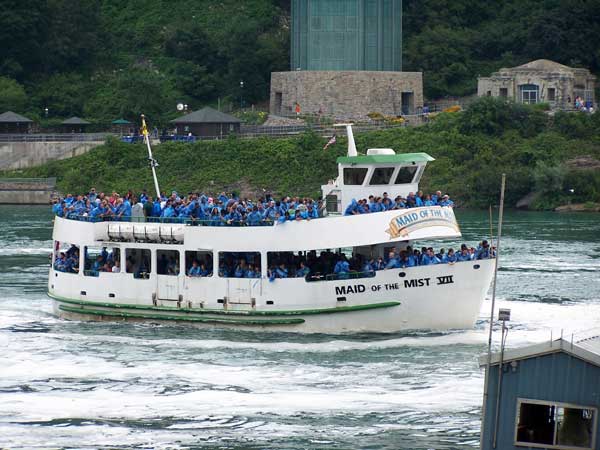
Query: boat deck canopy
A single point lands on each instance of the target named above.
(401, 158)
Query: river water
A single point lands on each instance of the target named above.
(98, 385)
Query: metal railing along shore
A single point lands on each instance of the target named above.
(57, 137)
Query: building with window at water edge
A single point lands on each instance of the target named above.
(549, 396)
(540, 81)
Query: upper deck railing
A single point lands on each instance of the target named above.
(176, 221)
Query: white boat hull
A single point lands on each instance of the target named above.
(437, 297)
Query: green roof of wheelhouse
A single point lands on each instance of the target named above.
(400, 158)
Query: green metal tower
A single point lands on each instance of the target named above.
(346, 35)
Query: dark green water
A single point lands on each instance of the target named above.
(84, 385)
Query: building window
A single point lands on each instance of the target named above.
(529, 93)
(406, 175)
(354, 176)
(551, 94)
(382, 175)
(489, 93)
(555, 425)
(138, 262)
(503, 92)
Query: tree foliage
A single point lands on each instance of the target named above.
(469, 160)
(203, 49)
(12, 95)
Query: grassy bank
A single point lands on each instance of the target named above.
(550, 155)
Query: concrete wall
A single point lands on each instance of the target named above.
(21, 155)
(25, 197)
(345, 94)
(27, 190)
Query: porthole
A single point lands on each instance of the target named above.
(476, 266)
(402, 274)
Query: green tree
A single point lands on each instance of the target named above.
(131, 93)
(12, 95)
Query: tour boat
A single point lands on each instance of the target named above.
(427, 297)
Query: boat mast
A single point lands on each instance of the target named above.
(351, 143)
(153, 163)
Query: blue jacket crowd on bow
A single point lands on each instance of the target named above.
(385, 203)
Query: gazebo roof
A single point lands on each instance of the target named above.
(75, 121)
(207, 115)
(11, 117)
(121, 122)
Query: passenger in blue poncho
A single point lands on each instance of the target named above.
(254, 218)
(351, 209)
(450, 257)
(342, 268)
(483, 250)
(429, 258)
(464, 254)
(446, 201)
(392, 262)
(303, 271)
(195, 270)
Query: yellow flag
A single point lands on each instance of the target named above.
(144, 127)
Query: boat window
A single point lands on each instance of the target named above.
(239, 265)
(382, 175)
(65, 257)
(355, 175)
(101, 259)
(555, 425)
(167, 262)
(318, 265)
(406, 174)
(198, 264)
(138, 262)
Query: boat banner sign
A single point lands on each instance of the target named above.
(414, 219)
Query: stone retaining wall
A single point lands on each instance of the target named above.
(346, 94)
(22, 155)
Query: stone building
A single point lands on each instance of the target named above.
(540, 81)
(346, 94)
(346, 62)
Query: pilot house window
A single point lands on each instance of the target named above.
(382, 175)
(406, 175)
(355, 175)
(555, 425)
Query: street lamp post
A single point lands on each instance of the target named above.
(241, 95)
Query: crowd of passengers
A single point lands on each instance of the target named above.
(385, 203)
(222, 209)
(310, 264)
(327, 264)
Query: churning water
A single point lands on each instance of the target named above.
(99, 385)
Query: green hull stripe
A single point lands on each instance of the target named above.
(295, 312)
(221, 321)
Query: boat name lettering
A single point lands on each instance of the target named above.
(416, 282)
(409, 221)
(352, 289)
(446, 279)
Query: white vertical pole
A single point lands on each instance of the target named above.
(489, 355)
(150, 158)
